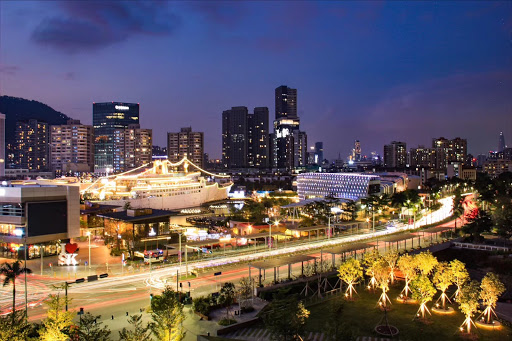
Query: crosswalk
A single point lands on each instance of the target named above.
(258, 334)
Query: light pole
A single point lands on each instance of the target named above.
(89, 235)
(26, 297)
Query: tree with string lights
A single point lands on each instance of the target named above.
(443, 278)
(391, 258)
(350, 272)
(492, 288)
(407, 265)
(370, 260)
(382, 276)
(460, 275)
(422, 291)
(468, 304)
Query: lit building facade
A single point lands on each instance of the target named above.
(395, 155)
(132, 148)
(289, 144)
(72, 148)
(186, 143)
(31, 150)
(38, 214)
(422, 157)
(106, 118)
(350, 186)
(449, 151)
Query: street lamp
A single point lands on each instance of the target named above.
(270, 233)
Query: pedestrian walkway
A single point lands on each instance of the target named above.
(258, 334)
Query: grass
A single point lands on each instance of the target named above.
(362, 316)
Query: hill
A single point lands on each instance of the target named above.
(16, 109)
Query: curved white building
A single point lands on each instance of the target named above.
(352, 186)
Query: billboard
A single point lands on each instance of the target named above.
(48, 217)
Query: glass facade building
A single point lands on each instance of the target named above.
(106, 119)
(350, 186)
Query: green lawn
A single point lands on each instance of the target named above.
(362, 316)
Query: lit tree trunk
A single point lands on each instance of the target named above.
(13, 297)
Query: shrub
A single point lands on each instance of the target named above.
(227, 322)
(202, 305)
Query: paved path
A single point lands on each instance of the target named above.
(258, 334)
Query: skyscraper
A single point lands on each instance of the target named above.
(186, 143)
(395, 155)
(319, 153)
(32, 145)
(501, 143)
(286, 102)
(245, 138)
(357, 151)
(289, 144)
(258, 138)
(72, 147)
(106, 118)
(132, 147)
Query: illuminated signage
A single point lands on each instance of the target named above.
(67, 258)
(122, 107)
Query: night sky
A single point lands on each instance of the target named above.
(373, 71)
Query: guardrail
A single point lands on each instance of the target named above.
(481, 247)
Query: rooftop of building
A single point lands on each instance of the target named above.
(124, 215)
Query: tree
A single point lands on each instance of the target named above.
(167, 314)
(370, 259)
(11, 271)
(482, 222)
(382, 276)
(492, 288)
(425, 262)
(92, 330)
(285, 318)
(391, 258)
(350, 272)
(244, 290)
(336, 327)
(407, 265)
(423, 291)
(14, 328)
(460, 275)
(58, 321)
(226, 296)
(443, 278)
(468, 300)
(140, 331)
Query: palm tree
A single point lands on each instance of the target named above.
(11, 271)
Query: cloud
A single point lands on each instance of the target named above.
(459, 105)
(86, 26)
(9, 69)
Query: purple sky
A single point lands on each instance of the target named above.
(373, 71)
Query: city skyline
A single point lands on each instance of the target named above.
(359, 68)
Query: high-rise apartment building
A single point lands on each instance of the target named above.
(501, 143)
(31, 150)
(188, 144)
(106, 118)
(289, 144)
(2, 145)
(132, 147)
(286, 102)
(395, 155)
(422, 157)
(72, 148)
(245, 138)
(449, 151)
(258, 147)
